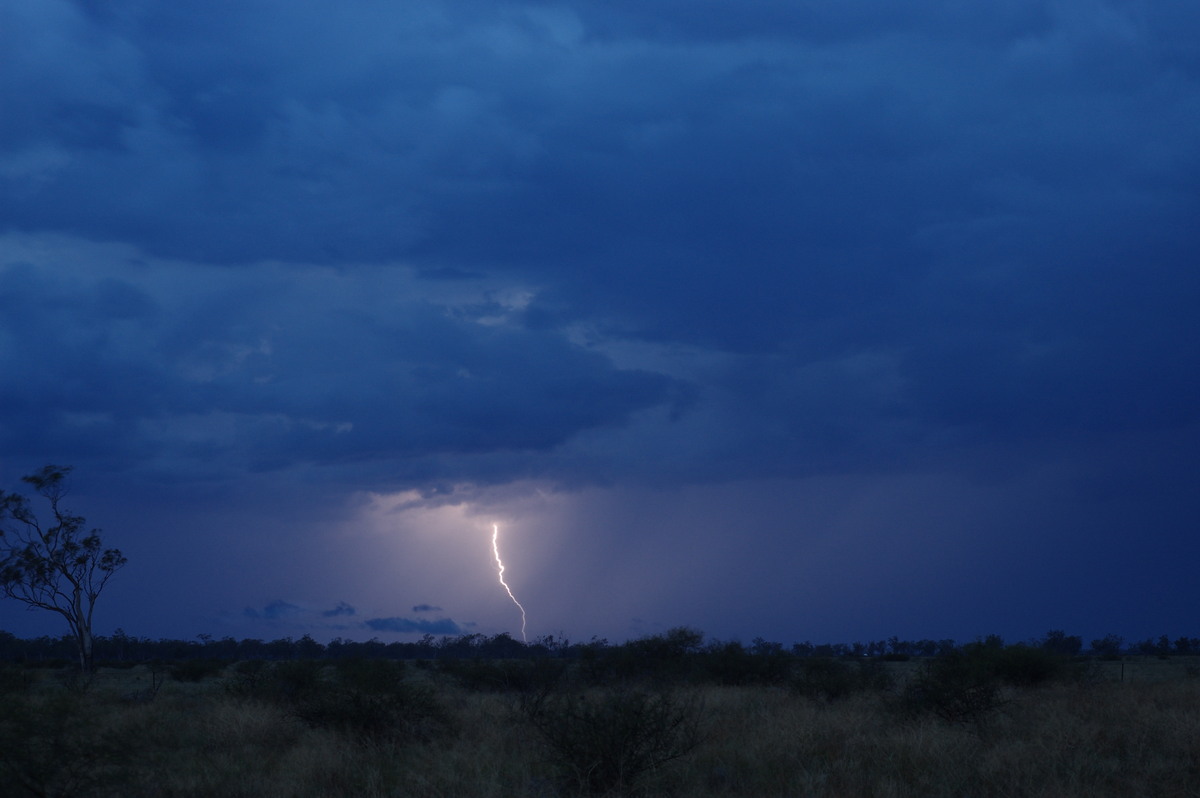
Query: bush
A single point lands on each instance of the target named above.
(733, 664)
(294, 679)
(194, 670)
(831, 679)
(15, 679)
(278, 682)
(505, 675)
(249, 679)
(401, 714)
(370, 675)
(958, 687)
(54, 746)
(668, 658)
(602, 742)
(368, 700)
(1108, 647)
(1025, 666)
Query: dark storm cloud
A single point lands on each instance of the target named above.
(508, 131)
(997, 202)
(444, 626)
(991, 198)
(426, 608)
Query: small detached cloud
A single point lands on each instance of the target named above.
(342, 608)
(426, 608)
(444, 626)
(275, 611)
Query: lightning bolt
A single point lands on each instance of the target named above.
(500, 573)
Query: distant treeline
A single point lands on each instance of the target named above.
(122, 648)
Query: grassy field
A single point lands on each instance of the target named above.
(299, 730)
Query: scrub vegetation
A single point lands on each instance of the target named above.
(670, 715)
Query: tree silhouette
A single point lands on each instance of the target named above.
(55, 565)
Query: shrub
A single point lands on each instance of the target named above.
(475, 674)
(370, 675)
(15, 679)
(295, 679)
(733, 664)
(276, 682)
(249, 679)
(1025, 666)
(194, 670)
(958, 687)
(54, 746)
(1108, 647)
(1059, 642)
(831, 679)
(505, 675)
(606, 741)
(402, 713)
(368, 700)
(671, 657)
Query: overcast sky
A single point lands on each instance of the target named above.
(801, 319)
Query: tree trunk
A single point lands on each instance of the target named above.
(85, 649)
(83, 633)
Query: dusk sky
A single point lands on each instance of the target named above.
(822, 320)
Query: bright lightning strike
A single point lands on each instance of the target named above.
(500, 573)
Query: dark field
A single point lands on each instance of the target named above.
(947, 726)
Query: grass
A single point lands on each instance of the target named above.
(1095, 740)
(1090, 737)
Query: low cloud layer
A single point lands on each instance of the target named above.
(444, 626)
